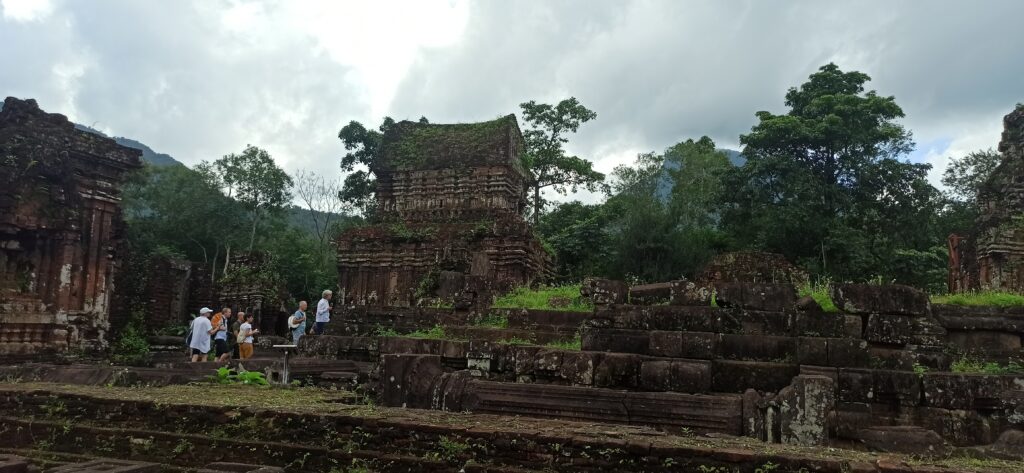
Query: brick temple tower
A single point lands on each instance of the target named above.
(60, 227)
(449, 202)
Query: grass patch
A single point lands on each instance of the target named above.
(493, 321)
(540, 298)
(975, 366)
(575, 344)
(819, 290)
(981, 299)
(516, 341)
(434, 333)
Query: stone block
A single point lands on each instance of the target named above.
(985, 341)
(1009, 445)
(732, 376)
(818, 324)
(811, 350)
(408, 380)
(615, 340)
(906, 439)
(856, 385)
(604, 291)
(698, 412)
(617, 370)
(755, 296)
(970, 391)
(848, 353)
(13, 464)
(668, 344)
(675, 375)
(648, 294)
(901, 330)
(805, 408)
(700, 345)
(853, 326)
(962, 428)
(684, 292)
(891, 299)
(758, 347)
(897, 387)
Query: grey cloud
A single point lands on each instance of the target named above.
(659, 72)
(171, 76)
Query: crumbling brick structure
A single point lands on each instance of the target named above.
(992, 256)
(60, 224)
(449, 198)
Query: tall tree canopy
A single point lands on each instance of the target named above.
(545, 157)
(254, 180)
(824, 185)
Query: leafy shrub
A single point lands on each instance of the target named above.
(131, 346)
(225, 375)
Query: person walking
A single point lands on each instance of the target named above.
(220, 338)
(233, 339)
(323, 312)
(297, 322)
(245, 336)
(201, 331)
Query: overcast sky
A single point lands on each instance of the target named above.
(200, 79)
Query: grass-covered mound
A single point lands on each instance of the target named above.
(545, 298)
(981, 299)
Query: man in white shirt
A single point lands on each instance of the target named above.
(201, 331)
(323, 312)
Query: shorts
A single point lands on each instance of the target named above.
(195, 351)
(221, 346)
(246, 351)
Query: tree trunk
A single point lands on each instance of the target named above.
(252, 234)
(536, 205)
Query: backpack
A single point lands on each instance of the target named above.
(188, 334)
(241, 336)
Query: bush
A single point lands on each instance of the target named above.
(131, 347)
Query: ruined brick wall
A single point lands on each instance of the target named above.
(251, 286)
(167, 292)
(60, 224)
(449, 198)
(992, 257)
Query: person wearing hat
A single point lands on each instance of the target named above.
(201, 331)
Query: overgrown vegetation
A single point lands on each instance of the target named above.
(820, 291)
(225, 375)
(565, 297)
(983, 298)
(576, 343)
(131, 347)
(972, 365)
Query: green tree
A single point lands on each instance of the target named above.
(545, 155)
(696, 171)
(254, 180)
(363, 146)
(181, 211)
(964, 176)
(823, 184)
(577, 235)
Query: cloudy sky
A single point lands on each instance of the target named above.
(199, 79)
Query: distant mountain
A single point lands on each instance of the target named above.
(148, 155)
(665, 182)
